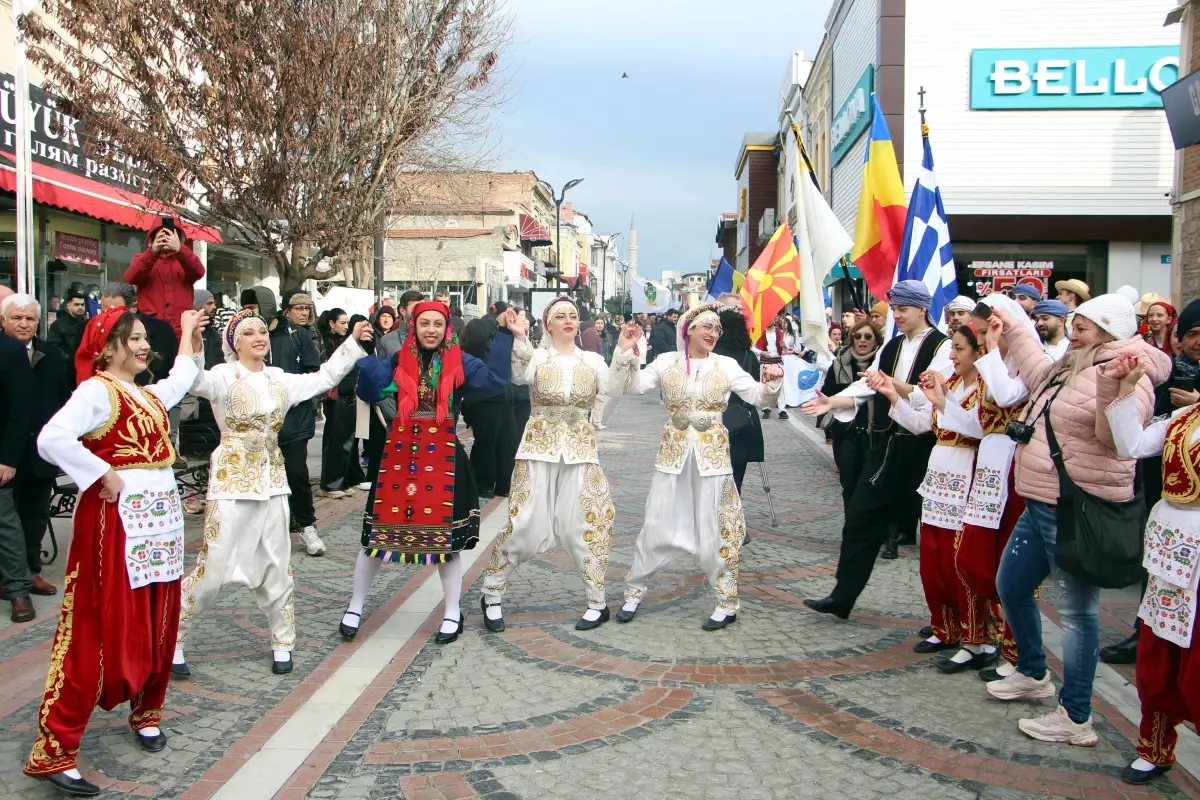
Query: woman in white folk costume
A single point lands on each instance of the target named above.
(559, 494)
(693, 507)
(246, 539)
(1168, 676)
(423, 506)
(121, 598)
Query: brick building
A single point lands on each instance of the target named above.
(1185, 250)
(756, 174)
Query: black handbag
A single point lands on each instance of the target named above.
(739, 415)
(1099, 541)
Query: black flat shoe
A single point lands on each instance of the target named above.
(1137, 777)
(925, 632)
(181, 670)
(281, 667)
(711, 624)
(73, 786)
(1121, 653)
(991, 674)
(626, 616)
(891, 549)
(348, 633)
(447, 638)
(783, 415)
(151, 744)
(493, 625)
(592, 624)
(926, 646)
(976, 661)
(828, 605)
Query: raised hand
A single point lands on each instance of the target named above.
(363, 331)
(817, 406)
(631, 333)
(995, 329)
(771, 372)
(1122, 366)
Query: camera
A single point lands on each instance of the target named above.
(1019, 432)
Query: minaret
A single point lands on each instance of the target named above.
(632, 251)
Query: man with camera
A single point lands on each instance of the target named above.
(895, 459)
(165, 274)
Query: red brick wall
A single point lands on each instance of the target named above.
(1187, 214)
(763, 191)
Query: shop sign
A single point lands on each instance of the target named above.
(1181, 101)
(854, 117)
(55, 140)
(1002, 276)
(1072, 77)
(77, 249)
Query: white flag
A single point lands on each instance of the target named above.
(821, 242)
(650, 297)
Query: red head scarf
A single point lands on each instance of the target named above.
(445, 368)
(95, 334)
(1168, 334)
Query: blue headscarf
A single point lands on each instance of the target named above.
(910, 293)
(1055, 308)
(1025, 290)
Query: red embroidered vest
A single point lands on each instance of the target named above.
(134, 437)
(948, 438)
(1181, 483)
(992, 417)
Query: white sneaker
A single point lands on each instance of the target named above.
(364, 486)
(1021, 687)
(351, 492)
(332, 494)
(312, 543)
(600, 426)
(1057, 726)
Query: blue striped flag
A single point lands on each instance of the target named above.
(721, 282)
(925, 253)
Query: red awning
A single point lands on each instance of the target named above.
(534, 232)
(62, 189)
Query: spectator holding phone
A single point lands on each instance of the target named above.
(165, 274)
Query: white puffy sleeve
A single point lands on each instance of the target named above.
(1006, 390)
(744, 385)
(88, 408)
(914, 414)
(171, 389)
(340, 364)
(1129, 437)
(525, 361)
(625, 377)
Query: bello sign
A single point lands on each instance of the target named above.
(1072, 77)
(854, 117)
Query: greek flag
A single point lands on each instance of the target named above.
(925, 253)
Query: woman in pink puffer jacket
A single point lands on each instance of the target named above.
(1077, 391)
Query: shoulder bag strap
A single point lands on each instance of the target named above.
(1052, 440)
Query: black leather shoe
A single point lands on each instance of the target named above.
(711, 624)
(181, 670)
(626, 616)
(925, 632)
(925, 646)
(828, 606)
(891, 548)
(1137, 777)
(783, 415)
(447, 638)
(991, 674)
(151, 744)
(976, 661)
(766, 413)
(281, 667)
(73, 786)
(348, 633)
(493, 625)
(1121, 653)
(592, 624)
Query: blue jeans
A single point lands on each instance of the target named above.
(1027, 560)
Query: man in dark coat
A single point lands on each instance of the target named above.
(16, 407)
(33, 484)
(293, 351)
(662, 337)
(67, 330)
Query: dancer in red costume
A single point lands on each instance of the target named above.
(120, 604)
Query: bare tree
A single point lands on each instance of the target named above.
(286, 123)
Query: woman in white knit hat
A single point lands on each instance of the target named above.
(1071, 394)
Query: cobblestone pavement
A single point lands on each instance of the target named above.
(783, 704)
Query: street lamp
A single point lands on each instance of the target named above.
(558, 201)
(604, 263)
(623, 266)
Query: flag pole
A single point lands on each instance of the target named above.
(812, 173)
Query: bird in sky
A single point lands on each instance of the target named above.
(624, 74)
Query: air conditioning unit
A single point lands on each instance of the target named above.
(451, 223)
(767, 225)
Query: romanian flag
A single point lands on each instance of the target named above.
(879, 229)
(772, 282)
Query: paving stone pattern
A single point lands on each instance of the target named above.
(783, 704)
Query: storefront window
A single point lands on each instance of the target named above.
(985, 268)
(230, 271)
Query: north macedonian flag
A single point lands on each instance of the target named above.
(772, 282)
(882, 210)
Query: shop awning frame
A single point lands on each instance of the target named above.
(534, 232)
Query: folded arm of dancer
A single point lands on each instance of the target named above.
(914, 413)
(1007, 390)
(628, 379)
(213, 384)
(846, 402)
(493, 375)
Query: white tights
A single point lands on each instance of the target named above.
(366, 568)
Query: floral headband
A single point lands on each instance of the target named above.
(562, 298)
(235, 322)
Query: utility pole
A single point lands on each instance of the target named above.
(558, 201)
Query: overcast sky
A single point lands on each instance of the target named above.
(661, 145)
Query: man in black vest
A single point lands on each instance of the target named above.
(895, 459)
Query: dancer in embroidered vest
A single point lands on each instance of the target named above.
(246, 539)
(121, 599)
(423, 507)
(1168, 669)
(694, 507)
(958, 616)
(559, 493)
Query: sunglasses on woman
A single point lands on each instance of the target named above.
(864, 337)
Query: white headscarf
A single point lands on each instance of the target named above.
(998, 301)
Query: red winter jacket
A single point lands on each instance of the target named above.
(165, 282)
